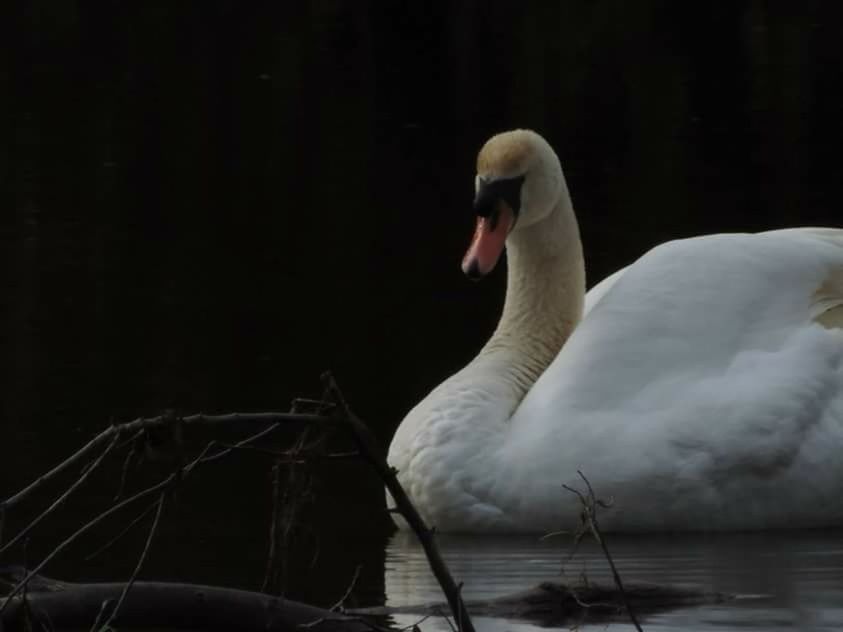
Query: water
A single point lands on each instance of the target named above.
(205, 204)
(783, 581)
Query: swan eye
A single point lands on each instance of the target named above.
(489, 192)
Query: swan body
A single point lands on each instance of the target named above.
(700, 388)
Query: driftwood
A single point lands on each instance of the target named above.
(61, 605)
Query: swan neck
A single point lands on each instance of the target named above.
(544, 296)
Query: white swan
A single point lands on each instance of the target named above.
(700, 388)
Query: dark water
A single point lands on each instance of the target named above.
(205, 204)
(781, 581)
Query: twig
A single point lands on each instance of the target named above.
(320, 405)
(82, 530)
(152, 529)
(123, 532)
(326, 620)
(297, 489)
(101, 613)
(593, 604)
(371, 451)
(415, 626)
(294, 456)
(460, 604)
(204, 457)
(61, 467)
(285, 506)
(79, 481)
(271, 563)
(127, 463)
(178, 475)
(27, 609)
(340, 605)
(447, 619)
(590, 503)
(147, 423)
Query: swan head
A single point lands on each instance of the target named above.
(517, 185)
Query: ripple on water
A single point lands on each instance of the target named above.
(787, 581)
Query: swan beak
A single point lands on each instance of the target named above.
(488, 242)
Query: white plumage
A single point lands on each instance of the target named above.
(701, 389)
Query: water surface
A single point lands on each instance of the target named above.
(782, 581)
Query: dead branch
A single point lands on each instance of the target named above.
(340, 415)
(162, 421)
(271, 573)
(187, 606)
(81, 531)
(122, 532)
(131, 456)
(57, 503)
(176, 476)
(340, 605)
(286, 503)
(152, 529)
(590, 504)
(372, 453)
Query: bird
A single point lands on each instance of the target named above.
(700, 388)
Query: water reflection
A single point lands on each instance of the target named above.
(783, 580)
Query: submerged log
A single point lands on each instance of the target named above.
(554, 603)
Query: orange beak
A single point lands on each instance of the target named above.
(488, 242)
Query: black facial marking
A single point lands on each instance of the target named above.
(490, 191)
(493, 220)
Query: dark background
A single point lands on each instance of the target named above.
(205, 204)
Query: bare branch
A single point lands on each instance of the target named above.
(122, 532)
(149, 491)
(340, 605)
(590, 503)
(57, 503)
(271, 559)
(127, 463)
(76, 457)
(152, 529)
(372, 453)
(161, 421)
(82, 530)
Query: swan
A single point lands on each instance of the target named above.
(700, 387)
